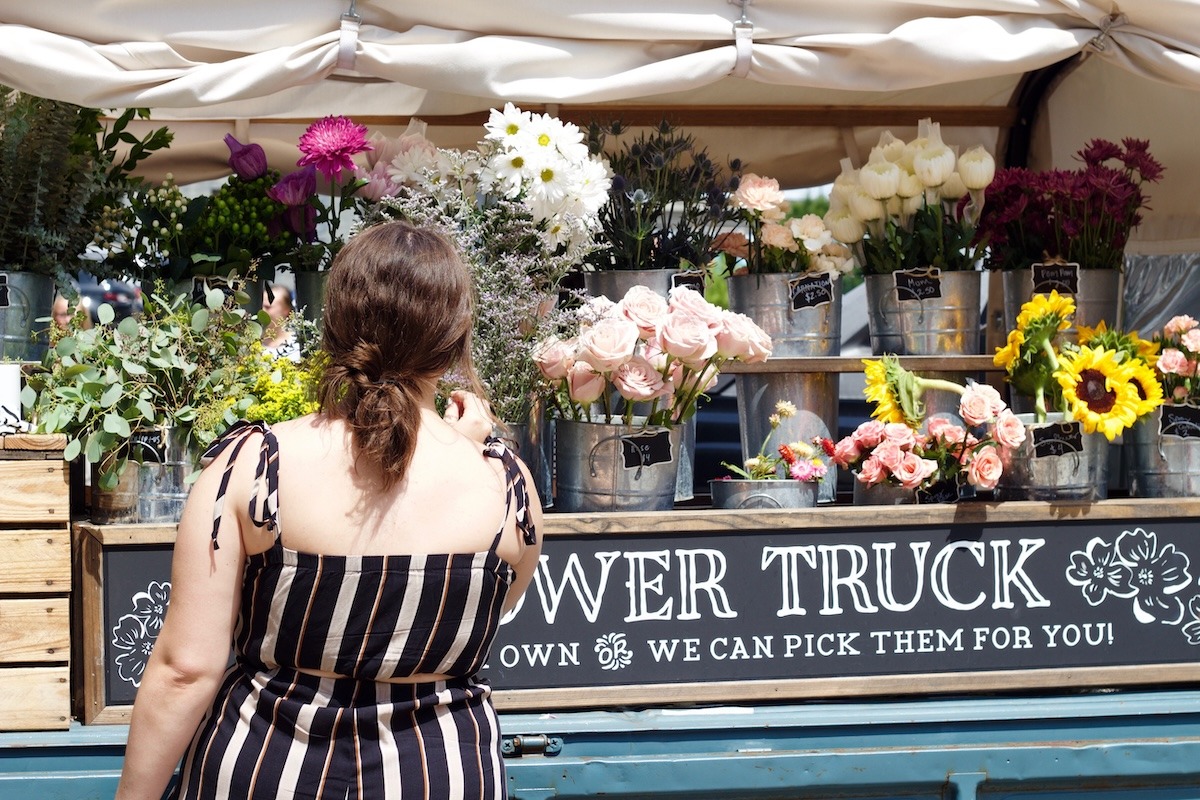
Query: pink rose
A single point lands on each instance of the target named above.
(686, 336)
(637, 380)
(696, 381)
(846, 452)
(985, 468)
(872, 471)
(554, 357)
(685, 298)
(645, 308)
(1177, 326)
(899, 434)
(868, 434)
(980, 403)
(608, 344)
(889, 454)
(756, 193)
(1172, 362)
(741, 338)
(913, 470)
(943, 429)
(1008, 431)
(584, 384)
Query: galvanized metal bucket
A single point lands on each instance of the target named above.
(1057, 461)
(881, 494)
(310, 294)
(736, 494)
(25, 297)
(603, 467)
(614, 283)
(1164, 457)
(924, 312)
(1098, 296)
(798, 328)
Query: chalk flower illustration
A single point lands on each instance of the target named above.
(134, 643)
(1135, 566)
(1100, 572)
(1156, 574)
(613, 652)
(134, 635)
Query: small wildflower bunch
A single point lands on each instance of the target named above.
(1179, 360)
(778, 243)
(1107, 381)
(798, 460)
(899, 446)
(913, 204)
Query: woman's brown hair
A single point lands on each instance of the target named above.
(398, 308)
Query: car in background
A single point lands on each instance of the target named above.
(124, 297)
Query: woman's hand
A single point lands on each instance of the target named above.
(469, 414)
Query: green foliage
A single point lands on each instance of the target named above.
(177, 367)
(61, 177)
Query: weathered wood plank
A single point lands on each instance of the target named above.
(36, 560)
(35, 491)
(35, 698)
(35, 629)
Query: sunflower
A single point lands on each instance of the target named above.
(1042, 308)
(1099, 390)
(879, 391)
(1007, 356)
(1150, 392)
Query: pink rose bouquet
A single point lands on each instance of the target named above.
(900, 447)
(1179, 360)
(662, 353)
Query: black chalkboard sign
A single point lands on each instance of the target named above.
(646, 448)
(786, 604)
(1060, 277)
(1057, 439)
(693, 279)
(146, 444)
(918, 284)
(137, 589)
(4, 301)
(1182, 422)
(811, 291)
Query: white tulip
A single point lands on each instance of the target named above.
(977, 168)
(933, 164)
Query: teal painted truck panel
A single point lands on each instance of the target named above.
(1109, 746)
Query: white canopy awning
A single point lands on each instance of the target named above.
(791, 87)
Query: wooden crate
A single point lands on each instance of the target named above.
(35, 584)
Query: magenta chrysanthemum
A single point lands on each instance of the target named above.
(330, 142)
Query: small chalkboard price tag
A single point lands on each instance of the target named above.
(1180, 422)
(4, 302)
(647, 448)
(1053, 276)
(1057, 439)
(148, 446)
(945, 491)
(811, 291)
(692, 278)
(918, 284)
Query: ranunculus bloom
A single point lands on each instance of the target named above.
(637, 380)
(985, 468)
(913, 470)
(329, 143)
(554, 357)
(756, 193)
(1008, 431)
(584, 384)
(249, 161)
(608, 344)
(645, 308)
(687, 337)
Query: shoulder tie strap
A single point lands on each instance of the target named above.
(515, 489)
(263, 511)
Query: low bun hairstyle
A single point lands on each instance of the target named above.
(398, 311)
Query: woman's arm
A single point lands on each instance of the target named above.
(193, 647)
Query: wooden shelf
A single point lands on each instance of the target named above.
(839, 364)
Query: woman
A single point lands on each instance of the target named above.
(359, 559)
(278, 338)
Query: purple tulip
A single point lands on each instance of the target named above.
(249, 161)
(295, 188)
